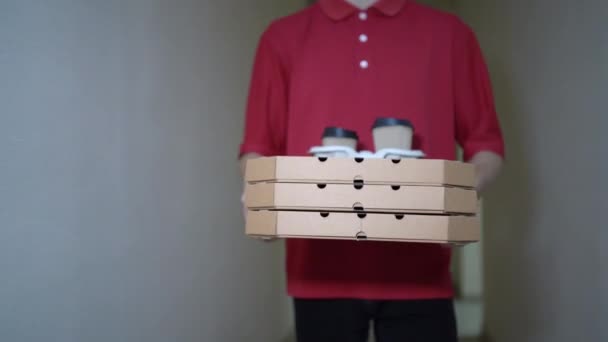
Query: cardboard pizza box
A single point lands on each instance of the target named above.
(359, 226)
(367, 198)
(368, 171)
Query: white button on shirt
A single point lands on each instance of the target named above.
(363, 38)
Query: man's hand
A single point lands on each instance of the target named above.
(487, 168)
(243, 206)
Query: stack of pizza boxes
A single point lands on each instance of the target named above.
(359, 198)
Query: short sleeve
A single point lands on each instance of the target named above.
(266, 110)
(477, 125)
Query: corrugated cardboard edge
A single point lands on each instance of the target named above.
(470, 226)
(261, 169)
(422, 227)
(261, 223)
(260, 195)
(458, 200)
(272, 169)
(268, 224)
(273, 196)
(457, 173)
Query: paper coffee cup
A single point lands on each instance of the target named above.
(393, 133)
(337, 136)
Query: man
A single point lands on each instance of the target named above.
(345, 63)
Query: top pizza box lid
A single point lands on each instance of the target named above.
(371, 171)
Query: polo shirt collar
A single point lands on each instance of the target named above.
(340, 9)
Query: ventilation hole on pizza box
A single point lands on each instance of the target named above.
(395, 187)
(359, 160)
(358, 207)
(399, 216)
(321, 186)
(361, 215)
(324, 214)
(361, 236)
(396, 161)
(358, 184)
(322, 159)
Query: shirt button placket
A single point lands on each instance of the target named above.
(363, 38)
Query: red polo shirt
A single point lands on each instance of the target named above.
(333, 65)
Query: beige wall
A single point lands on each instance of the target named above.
(119, 190)
(545, 234)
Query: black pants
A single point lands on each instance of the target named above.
(345, 320)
